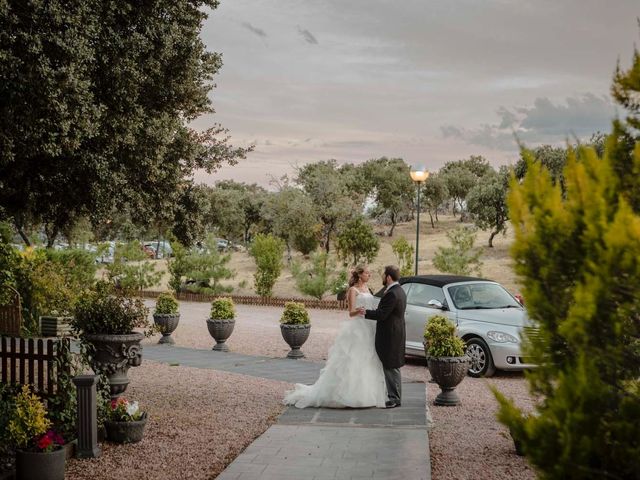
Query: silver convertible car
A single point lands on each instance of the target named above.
(488, 318)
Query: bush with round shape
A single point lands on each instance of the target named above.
(223, 309)
(166, 304)
(295, 313)
(441, 339)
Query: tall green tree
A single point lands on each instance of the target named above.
(290, 215)
(434, 194)
(392, 186)
(94, 113)
(459, 181)
(330, 194)
(487, 202)
(267, 251)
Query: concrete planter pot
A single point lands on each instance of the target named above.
(125, 432)
(40, 465)
(448, 372)
(167, 322)
(52, 326)
(295, 336)
(113, 355)
(220, 330)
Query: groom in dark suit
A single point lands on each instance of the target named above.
(390, 334)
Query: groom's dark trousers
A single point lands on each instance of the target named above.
(390, 337)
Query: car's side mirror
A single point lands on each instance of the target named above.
(436, 304)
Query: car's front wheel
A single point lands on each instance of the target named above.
(481, 359)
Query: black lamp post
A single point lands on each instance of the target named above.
(418, 174)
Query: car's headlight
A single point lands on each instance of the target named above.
(502, 337)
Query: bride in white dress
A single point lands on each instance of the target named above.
(353, 376)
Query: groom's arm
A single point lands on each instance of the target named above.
(384, 310)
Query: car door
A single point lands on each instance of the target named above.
(418, 312)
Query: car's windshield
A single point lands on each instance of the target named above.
(470, 296)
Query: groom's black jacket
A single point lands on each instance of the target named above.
(390, 334)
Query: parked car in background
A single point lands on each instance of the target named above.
(223, 245)
(488, 318)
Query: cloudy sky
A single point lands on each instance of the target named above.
(426, 80)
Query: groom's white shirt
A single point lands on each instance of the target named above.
(390, 286)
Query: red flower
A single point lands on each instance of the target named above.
(45, 442)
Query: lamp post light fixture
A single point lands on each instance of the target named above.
(418, 174)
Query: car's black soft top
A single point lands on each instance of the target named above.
(440, 280)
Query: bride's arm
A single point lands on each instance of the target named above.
(351, 301)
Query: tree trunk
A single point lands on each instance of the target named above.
(431, 218)
(23, 235)
(393, 224)
(437, 220)
(51, 236)
(493, 234)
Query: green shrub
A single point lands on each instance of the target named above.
(294, 313)
(267, 252)
(318, 278)
(79, 266)
(131, 270)
(166, 304)
(222, 309)
(460, 258)
(205, 270)
(28, 420)
(357, 242)
(103, 311)
(341, 283)
(441, 339)
(404, 255)
(8, 393)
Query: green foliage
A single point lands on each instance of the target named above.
(333, 195)
(28, 420)
(404, 255)
(294, 313)
(318, 279)
(222, 309)
(204, 270)
(341, 283)
(95, 115)
(392, 185)
(487, 203)
(434, 195)
(131, 270)
(291, 215)
(78, 266)
(461, 176)
(460, 258)
(357, 241)
(63, 406)
(267, 252)
(103, 311)
(9, 261)
(177, 266)
(441, 339)
(625, 88)
(581, 250)
(166, 304)
(8, 393)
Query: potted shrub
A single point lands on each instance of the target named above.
(166, 316)
(125, 422)
(295, 327)
(446, 358)
(39, 450)
(221, 322)
(105, 322)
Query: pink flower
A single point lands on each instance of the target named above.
(45, 442)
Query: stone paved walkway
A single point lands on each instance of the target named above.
(320, 443)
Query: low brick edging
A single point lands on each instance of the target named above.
(254, 300)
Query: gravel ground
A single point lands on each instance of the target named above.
(199, 421)
(466, 441)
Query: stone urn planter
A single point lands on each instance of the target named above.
(295, 336)
(448, 372)
(166, 316)
(40, 465)
(221, 322)
(113, 355)
(220, 330)
(125, 432)
(167, 323)
(446, 358)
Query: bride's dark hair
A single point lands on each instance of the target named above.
(355, 274)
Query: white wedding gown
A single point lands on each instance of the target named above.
(353, 376)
